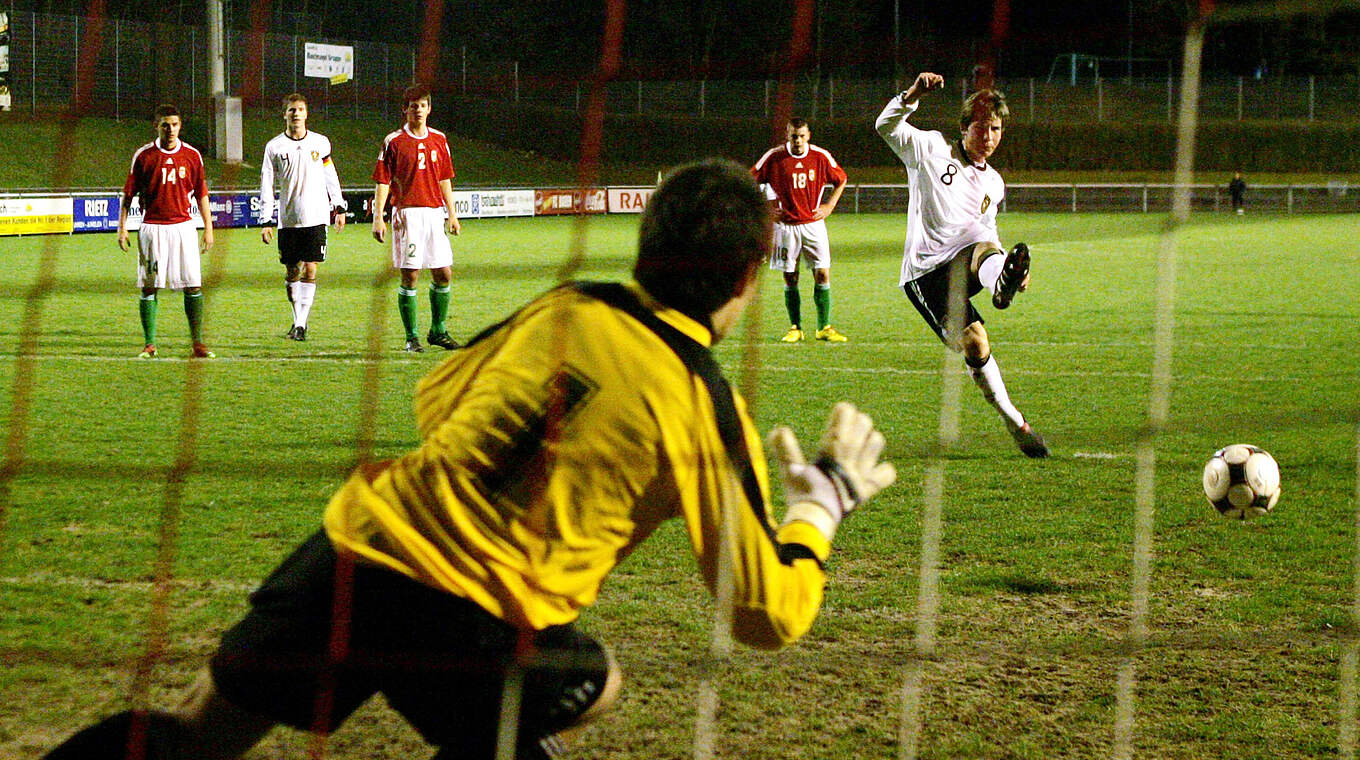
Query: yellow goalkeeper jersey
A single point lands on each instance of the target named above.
(557, 441)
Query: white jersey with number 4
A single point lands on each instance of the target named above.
(302, 173)
(952, 202)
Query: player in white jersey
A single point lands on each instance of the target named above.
(297, 163)
(952, 250)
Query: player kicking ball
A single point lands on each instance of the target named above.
(952, 250)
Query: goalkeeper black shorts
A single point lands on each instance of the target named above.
(311, 651)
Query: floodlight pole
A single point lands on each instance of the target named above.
(226, 110)
(217, 78)
(897, 42)
(1130, 53)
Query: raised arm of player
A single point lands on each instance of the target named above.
(892, 123)
(925, 82)
(380, 192)
(451, 224)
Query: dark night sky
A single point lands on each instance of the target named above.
(670, 38)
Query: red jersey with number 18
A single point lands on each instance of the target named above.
(165, 182)
(414, 166)
(797, 181)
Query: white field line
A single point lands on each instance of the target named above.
(208, 585)
(1011, 369)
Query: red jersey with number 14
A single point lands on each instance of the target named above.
(165, 182)
(414, 166)
(797, 181)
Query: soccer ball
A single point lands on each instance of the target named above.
(1242, 481)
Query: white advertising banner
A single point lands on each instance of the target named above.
(480, 204)
(333, 62)
(629, 200)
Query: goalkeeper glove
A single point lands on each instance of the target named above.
(847, 472)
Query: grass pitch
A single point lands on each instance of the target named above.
(1249, 621)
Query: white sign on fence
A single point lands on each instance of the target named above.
(487, 203)
(333, 62)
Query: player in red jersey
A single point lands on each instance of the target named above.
(793, 175)
(166, 177)
(416, 168)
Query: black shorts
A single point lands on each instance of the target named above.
(302, 244)
(440, 660)
(929, 293)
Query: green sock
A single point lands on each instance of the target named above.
(794, 304)
(439, 308)
(147, 306)
(406, 306)
(193, 309)
(821, 295)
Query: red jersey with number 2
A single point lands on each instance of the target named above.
(797, 181)
(166, 182)
(414, 166)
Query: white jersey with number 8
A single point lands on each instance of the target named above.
(952, 203)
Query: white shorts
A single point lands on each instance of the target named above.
(167, 256)
(418, 239)
(800, 241)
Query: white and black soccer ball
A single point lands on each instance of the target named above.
(1242, 481)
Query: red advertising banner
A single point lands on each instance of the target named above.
(590, 200)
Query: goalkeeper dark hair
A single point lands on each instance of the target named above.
(705, 232)
(163, 110)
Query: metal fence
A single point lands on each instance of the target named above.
(1337, 197)
(140, 64)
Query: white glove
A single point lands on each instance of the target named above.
(847, 472)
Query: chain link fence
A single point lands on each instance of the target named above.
(141, 64)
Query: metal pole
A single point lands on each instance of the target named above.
(897, 39)
(1100, 100)
(117, 96)
(1239, 98)
(1031, 100)
(1312, 92)
(75, 81)
(1130, 74)
(216, 60)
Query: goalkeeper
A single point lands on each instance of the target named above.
(553, 443)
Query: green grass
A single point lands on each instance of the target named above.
(1247, 621)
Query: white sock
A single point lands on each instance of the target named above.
(293, 299)
(302, 302)
(988, 378)
(989, 272)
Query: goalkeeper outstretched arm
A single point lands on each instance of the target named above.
(778, 569)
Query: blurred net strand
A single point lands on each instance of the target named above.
(911, 711)
(592, 130)
(1350, 654)
(721, 643)
(1159, 397)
